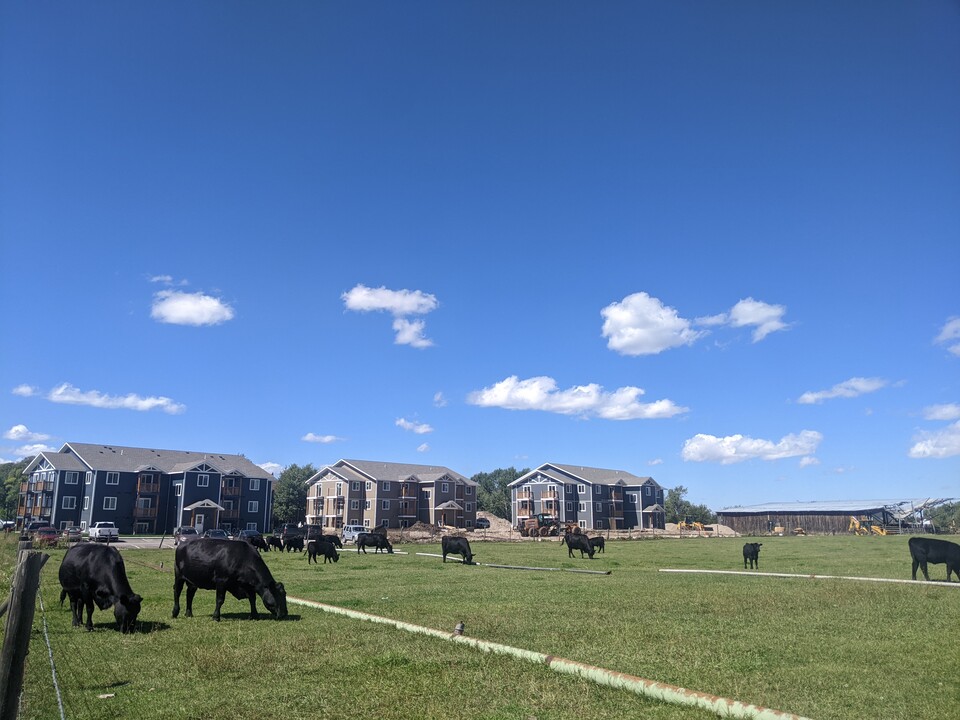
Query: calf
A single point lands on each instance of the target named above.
(321, 547)
(293, 543)
(258, 542)
(751, 554)
(576, 541)
(275, 542)
(925, 550)
(457, 546)
(226, 566)
(374, 540)
(599, 544)
(91, 574)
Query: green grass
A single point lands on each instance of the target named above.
(819, 648)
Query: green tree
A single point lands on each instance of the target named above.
(290, 494)
(493, 491)
(946, 517)
(677, 507)
(11, 475)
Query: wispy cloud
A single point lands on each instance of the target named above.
(70, 395)
(938, 443)
(541, 393)
(25, 391)
(271, 467)
(439, 400)
(642, 325)
(947, 411)
(20, 433)
(655, 461)
(950, 336)
(400, 304)
(851, 388)
(423, 448)
(415, 427)
(32, 449)
(322, 439)
(808, 461)
(739, 448)
(180, 308)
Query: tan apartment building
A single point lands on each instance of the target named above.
(390, 495)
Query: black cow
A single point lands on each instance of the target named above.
(599, 544)
(321, 547)
(226, 566)
(457, 546)
(576, 541)
(925, 550)
(258, 542)
(374, 540)
(751, 554)
(335, 539)
(274, 541)
(293, 543)
(91, 574)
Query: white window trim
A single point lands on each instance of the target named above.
(203, 480)
(581, 489)
(254, 487)
(72, 478)
(69, 502)
(384, 504)
(113, 478)
(107, 504)
(253, 506)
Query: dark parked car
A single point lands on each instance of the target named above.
(182, 534)
(218, 534)
(482, 523)
(247, 535)
(291, 530)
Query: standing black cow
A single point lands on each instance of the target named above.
(374, 540)
(275, 542)
(293, 543)
(931, 550)
(226, 566)
(321, 547)
(751, 554)
(91, 574)
(576, 541)
(335, 539)
(599, 544)
(457, 546)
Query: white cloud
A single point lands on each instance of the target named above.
(937, 444)
(33, 449)
(439, 400)
(323, 439)
(68, 394)
(24, 391)
(950, 336)
(20, 433)
(766, 318)
(655, 461)
(808, 460)
(400, 304)
(271, 467)
(847, 389)
(541, 393)
(948, 411)
(418, 428)
(180, 308)
(423, 448)
(165, 279)
(642, 325)
(410, 332)
(738, 448)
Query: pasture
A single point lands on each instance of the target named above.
(820, 648)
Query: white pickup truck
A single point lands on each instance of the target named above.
(104, 531)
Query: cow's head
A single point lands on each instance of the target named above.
(275, 599)
(468, 559)
(336, 556)
(389, 546)
(125, 611)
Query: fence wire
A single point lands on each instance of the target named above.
(53, 665)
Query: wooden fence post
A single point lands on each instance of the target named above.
(16, 641)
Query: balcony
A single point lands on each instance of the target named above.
(230, 490)
(230, 514)
(408, 491)
(145, 487)
(144, 512)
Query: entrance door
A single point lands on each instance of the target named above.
(198, 522)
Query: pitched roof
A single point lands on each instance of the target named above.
(402, 471)
(132, 459)
(592, 475)
(57, 460)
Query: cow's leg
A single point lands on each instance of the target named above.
(923, 567)
(89, 613)
(254, 615)
(177, 588)
(191, 591)
(916, 564)
(221, 596)
(75, 611)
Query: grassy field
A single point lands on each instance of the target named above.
(819, 648)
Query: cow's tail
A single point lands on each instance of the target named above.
(63, 594)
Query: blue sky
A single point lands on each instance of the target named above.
(713, 243)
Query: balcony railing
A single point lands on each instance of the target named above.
(230, 490)
(230, 514)
(145, 512)
(148, 487)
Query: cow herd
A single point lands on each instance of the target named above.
(95, 574)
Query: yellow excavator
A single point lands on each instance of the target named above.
(865, 528)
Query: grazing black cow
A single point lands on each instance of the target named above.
(293, 543)
(457, 546)
(925, 550)
(321, 547)
(374, 540)
(274, 541)
(335, 539)
(91, 574)
(226, 566)
(258, 542)
(576, 541)
(751, 554)
(599, 544)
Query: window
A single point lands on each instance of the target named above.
(72, 478)
(142, 528)
(253, 506)
(569, 507)
(228, 504)
(339, 489)
(581, 489)
(69, 502)
(178, 490)
(369, 486)
(144, 503)
(444, 487)
(113, 478)
(632, 497)
(468, 507)
(384, 504)
(86, 503)
(356, 486)
(203, 480)
(597, 489)
(469, 490)
(354, 504)
(366, 504)
(583, 507)
(386, 486)
(366, 523)
(254, 486)
(110, 503)
(251, 526)
(599, 507)
(83, 524)
(89, 478)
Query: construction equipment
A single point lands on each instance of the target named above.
(540, 524)
(865, 527)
